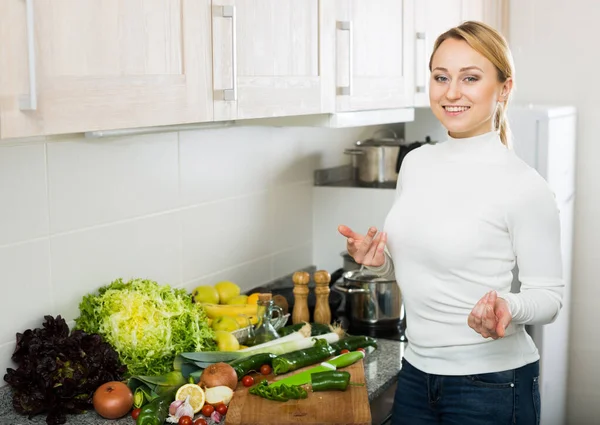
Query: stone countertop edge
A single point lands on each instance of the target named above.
(381, 370)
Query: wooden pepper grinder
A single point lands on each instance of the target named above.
(322, 311)
(300, 312)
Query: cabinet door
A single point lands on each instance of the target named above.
(103, 64)
(272, 58)
(492, 12)
(432, 18)
(374, 63)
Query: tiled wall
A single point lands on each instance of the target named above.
(179, 208)
(559, 66)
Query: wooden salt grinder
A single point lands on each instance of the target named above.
(322, 311)
(300, 312)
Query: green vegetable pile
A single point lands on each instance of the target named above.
(147, 324)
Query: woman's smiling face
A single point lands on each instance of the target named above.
(464, 90)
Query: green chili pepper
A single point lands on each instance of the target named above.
(279, 393)
(300, 358)
(330, 380)
(156, 412)
(253, 362)
(351, 343)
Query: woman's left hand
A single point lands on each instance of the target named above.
(490, 316)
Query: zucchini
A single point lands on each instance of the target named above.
(251, 363)
(297, 359)
(351, 343)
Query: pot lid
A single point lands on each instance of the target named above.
(365, 276)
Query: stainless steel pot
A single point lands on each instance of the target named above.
(375, 160)
(370, 299)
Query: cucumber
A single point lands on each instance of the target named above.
(315, 329)
(252, 363)
(351, 343)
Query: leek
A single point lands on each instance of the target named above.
(303, 332)
(283, 347)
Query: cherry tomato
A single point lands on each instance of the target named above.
(344, 351)
(265, 369)
(200, 421)
(362, 349)
(185, 420)
(248, 381)
(135, 413)
(222, 409)
(207, 410)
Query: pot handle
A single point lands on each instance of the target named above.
(354, 151)
(340, 288)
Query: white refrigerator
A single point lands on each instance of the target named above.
(545, 138)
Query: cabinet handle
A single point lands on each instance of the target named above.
(28, 102)
(231, 94)
(347, 26)
(422, 37)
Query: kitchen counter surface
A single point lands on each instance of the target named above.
(381, 369)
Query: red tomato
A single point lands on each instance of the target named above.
(135, 413)
(362, 349)
(222, 409)
(207, 410)
(344, 351)
(200, 421)
(185, 420)
(248, 381)
(265, 369)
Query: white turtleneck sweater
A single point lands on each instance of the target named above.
(466, 210)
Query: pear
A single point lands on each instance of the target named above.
(225, 323)
(205, 294)
(227, 290)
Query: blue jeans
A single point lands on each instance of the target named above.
(508, 397)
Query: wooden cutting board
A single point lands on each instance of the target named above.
(325, 407)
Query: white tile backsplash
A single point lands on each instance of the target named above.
(178, 208)
(27, 296)
(221, 234)
(101, 181)
(291, 215)
(217, 164)
(23, 193)
(148, 248)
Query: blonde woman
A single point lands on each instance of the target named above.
(467, 210)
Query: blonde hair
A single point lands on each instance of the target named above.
(493, 46)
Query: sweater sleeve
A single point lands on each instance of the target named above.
(534, 226)
(386, 270)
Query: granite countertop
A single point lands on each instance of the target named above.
(381, 368)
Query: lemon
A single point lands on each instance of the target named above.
(225, 323)
(226, 341)
(227, 290)
(197, 396)
(253, 299)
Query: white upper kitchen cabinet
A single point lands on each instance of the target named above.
(373, 50)
(72, 66)
(433, 17)
(272, 58)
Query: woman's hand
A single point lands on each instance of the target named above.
(490, 316)
(367, 250)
